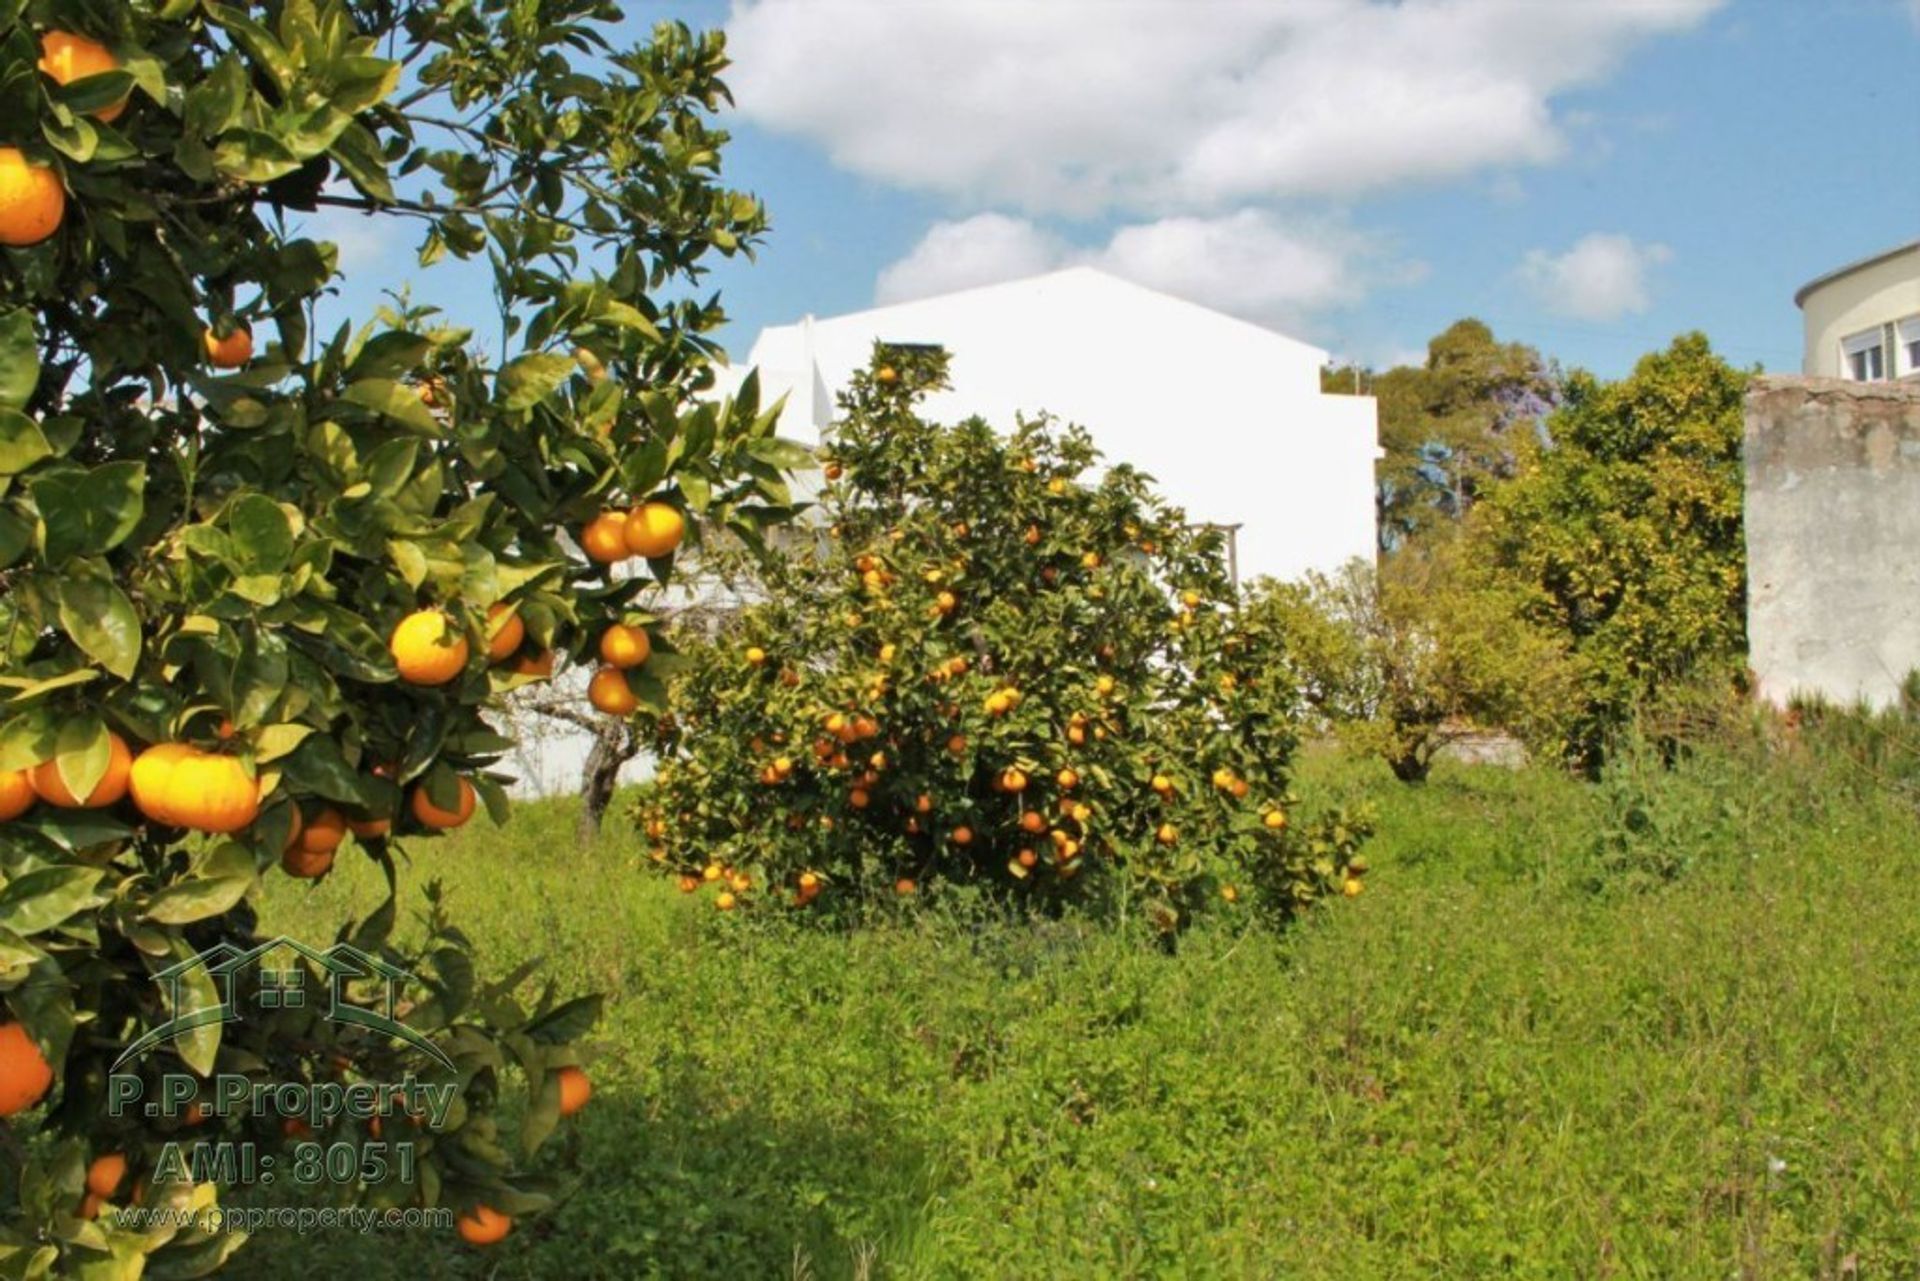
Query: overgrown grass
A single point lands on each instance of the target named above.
(1660, 1027)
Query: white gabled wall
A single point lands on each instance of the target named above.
(1228, 417)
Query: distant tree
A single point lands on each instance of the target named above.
(1626, 535)
(1452, 426)
(1402, 661)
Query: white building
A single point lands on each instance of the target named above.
(1228, 417)
(1862, 321)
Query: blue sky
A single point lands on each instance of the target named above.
(1591, 176)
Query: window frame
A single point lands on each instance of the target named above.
(1906, 346)
(1858, 344)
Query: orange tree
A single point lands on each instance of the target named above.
(259, 589)
(995, 670)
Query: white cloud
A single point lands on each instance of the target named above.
(981, 250)
(1178, 105)
(1249, 263)
(1602, 277)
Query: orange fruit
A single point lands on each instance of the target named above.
(1162, 784)
(433, 816)
(604, 538)
(1013, 780)
(608, 691)
(623, 647)
(724, 900)
(90, 1206)
(1352, 886)
(1223, 779)
(323, 832)
(887, 376)
(1230, 893)
(484, 1225)
(368, 828)
(575, 1090)
(52, 789)
(25, 1076)
(428, 648)
(32, 200)
(859, 798)
(755, 655)
(963, 835)
(654, 530)
(106, 1174)
(957, 744)
(231, 352)
(1167, 834)
(508, 635)
(904, 886)
(210, 794)
(16, 794)
(1275, 820)
(68, 57)
(537, 665)
(307, 865)
(1033, 821)
(1067, 779)
(149, 777)
(809, 882)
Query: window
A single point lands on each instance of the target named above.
(1906, 348)
(1862, 357)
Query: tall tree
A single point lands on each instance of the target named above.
(1452, 426)
(1627, 534)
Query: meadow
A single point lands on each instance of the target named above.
(1659, 1026)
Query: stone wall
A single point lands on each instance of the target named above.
(1833, 537)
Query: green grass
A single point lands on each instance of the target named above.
(1661, 1027)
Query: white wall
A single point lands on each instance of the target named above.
(1227, 417)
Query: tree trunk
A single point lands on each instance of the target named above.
(613, 746)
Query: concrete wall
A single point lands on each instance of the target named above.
(1881, 292)
(1833, 537)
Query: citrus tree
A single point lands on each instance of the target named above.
(1624, 538)
(261, 587)
(1401, 661)
(998, 666)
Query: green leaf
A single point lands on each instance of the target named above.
(82, 753)
(22, 443)
(198, 1046)
(262, 533)
(197, 899)
(87, 512)
(29, 739)
(567, 1022)
(527, 381)
(389, 355)
(19, 359)
(394, 400)
(101, 620)
(42, 899)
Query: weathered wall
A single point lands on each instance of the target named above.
(1833, 537)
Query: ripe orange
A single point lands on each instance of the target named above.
(52, 789)
(945, 603)
(1067, 779)
(1090, 561)
(1013, 780)
(1352, 886)
(957, 744)
(483, 1226)
(323, 832)
(1230, 893)
(998, 704)
(1223, 779)
(756, 656)
(427, 648)
(32, 200)
(904, 886)
(654, 530)
(623, 647)
(608, 691)
(231, 352)
(1162, 784)
(605, 538)
(90, 1206)
(507, 636)
(68, 57)
(16, 794)
(538, 665)
(1103, 686)
(1275, 820)
(688, 884)
(809, 882)
(575, 1090)
(433, 816)
(724, 900)
(963, 835)
(368, 828)
(1033, 821)
(859, 798)
(923, 804)
(106, 1174)
(307, 865)
(1027, 858)
(25, 1075)
(1167, 834)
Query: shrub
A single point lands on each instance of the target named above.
(996, 670)
(271, 586)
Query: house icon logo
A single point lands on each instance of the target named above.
(283, 984)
